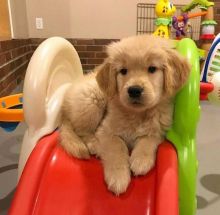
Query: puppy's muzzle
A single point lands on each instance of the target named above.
(135, 92)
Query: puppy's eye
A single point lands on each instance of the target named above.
(123, 71)
(152, 69)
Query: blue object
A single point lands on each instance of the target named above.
(204, 78)
(9, 126)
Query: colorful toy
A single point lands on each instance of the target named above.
(180, 26)
(211, 70)
(51, 182)
(205, 89)
(164, 11)
(180, 23)
(210, 83)
(11, 112)
(208, 23)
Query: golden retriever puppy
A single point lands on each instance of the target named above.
(126, 119)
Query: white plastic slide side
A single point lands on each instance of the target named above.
(53, 67)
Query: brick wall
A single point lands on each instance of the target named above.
(91, 51)
(14, 58)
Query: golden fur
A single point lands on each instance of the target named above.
(100, 117)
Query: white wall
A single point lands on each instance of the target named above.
(85, 18)
(104, 19)
(76, 18)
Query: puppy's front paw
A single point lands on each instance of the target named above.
(76, 149)
(117, 179)
(140, 165)
(81, 152)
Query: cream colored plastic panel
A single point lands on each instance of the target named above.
(53, 67)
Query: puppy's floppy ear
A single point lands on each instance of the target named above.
(106, 78)
(176, 72)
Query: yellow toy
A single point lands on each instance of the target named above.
(164, 11)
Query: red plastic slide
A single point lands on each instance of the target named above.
(54, 183)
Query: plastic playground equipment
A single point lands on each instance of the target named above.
(51, 182)
(11, 112)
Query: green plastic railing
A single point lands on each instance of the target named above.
(183, 132)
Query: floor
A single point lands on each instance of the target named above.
(208, 149)
(10, 144)
(208, 192)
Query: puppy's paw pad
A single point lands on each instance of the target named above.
(141, 165)
(118, 180)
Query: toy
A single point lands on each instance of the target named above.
(180, 25)
(187, 101)
(205, 89)
(208, 23)
(202, 3)
(211, 70)
(11, 112)
(212, 63)
(210, 82)
(164, 11)
(61, 184)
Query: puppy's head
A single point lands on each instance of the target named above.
(141, 71)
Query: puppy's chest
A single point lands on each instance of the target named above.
(131, 130)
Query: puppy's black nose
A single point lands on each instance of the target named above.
(135, 91)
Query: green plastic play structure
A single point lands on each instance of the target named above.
(183, 131)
